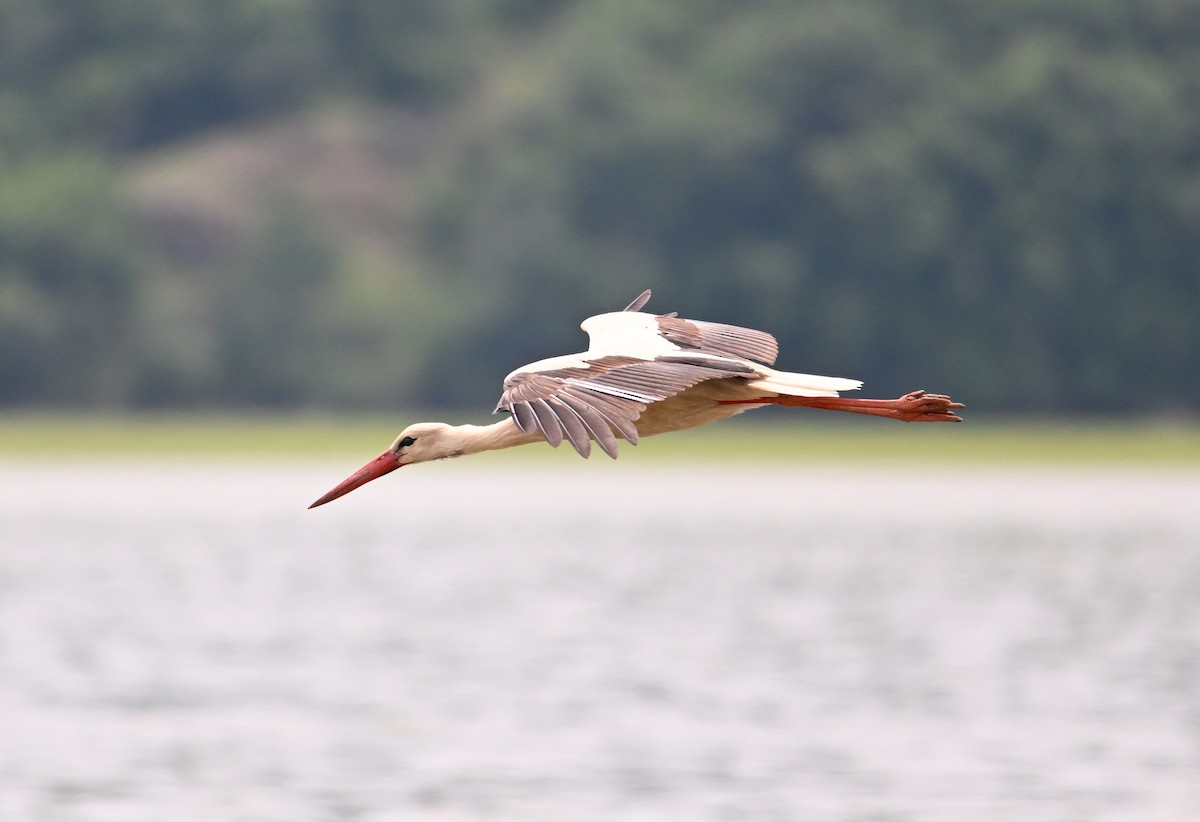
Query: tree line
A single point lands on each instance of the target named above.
(361, 204)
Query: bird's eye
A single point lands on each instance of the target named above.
(407, 441)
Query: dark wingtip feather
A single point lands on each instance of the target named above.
(523, 416)
(547, 422)
(573, 426)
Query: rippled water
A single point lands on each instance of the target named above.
(608, 642)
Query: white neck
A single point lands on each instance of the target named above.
(475, 439)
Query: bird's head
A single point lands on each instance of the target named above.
(420, 442)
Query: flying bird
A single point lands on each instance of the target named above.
(642, 374)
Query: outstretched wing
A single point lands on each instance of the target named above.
(601, 398)
(629, 330)
(634, 359)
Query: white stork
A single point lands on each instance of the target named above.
(642, 374)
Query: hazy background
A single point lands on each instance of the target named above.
(353, 204)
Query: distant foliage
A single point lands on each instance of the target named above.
(69, 268)
(138, 73)
(998, 200)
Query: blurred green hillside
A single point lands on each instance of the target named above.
(331, 204)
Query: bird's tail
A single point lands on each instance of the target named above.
(792, 384)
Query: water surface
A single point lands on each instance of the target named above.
(610, 642)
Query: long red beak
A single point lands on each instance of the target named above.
(385, 463)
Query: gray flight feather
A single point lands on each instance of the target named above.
(637, 304)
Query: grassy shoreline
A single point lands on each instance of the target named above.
(306, 438)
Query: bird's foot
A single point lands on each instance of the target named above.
(917, 406)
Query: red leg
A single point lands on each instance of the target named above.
(915, 406)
